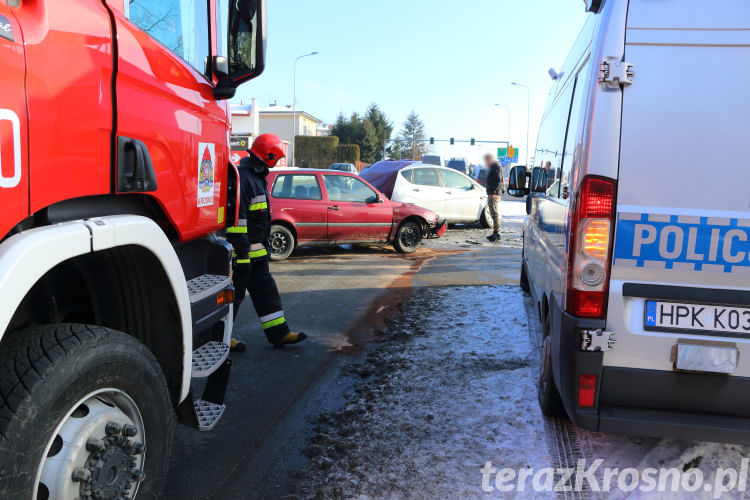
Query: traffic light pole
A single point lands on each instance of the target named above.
(452, 141)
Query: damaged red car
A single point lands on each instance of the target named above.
(323, 207)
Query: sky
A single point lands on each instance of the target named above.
(451, 61)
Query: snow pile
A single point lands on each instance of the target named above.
(450, 387)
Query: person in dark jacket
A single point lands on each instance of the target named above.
(495, 189)
(249, 238)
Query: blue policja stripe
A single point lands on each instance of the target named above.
(674, 242)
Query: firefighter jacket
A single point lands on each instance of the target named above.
(249, 236)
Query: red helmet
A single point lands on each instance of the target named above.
(269, 148)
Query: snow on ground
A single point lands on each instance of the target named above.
(438, 400)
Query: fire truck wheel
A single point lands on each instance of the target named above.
(84, 413)
(549, 399)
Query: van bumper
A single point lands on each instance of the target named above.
(653, 403)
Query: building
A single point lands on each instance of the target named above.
(249, 121)
(245, 119)
(279, 120)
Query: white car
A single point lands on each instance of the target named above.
(453, 195)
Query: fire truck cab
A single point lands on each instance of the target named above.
(115, 292)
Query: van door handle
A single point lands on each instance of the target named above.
(449, 192)
(334, 207)
(415, 189)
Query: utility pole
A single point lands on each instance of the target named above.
(294, 102)
(528, 114)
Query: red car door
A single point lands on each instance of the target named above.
(356, 211)
(298, 200)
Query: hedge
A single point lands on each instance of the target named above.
(347, 153)
(315, 152)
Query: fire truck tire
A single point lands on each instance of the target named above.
(84, 413)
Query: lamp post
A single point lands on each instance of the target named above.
(294, 101)
(528, 114)
(507, 111)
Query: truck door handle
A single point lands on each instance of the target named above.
(415, 189)
(449, 192)
(334, 207)
(135, 171)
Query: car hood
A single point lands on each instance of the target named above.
(407, 209)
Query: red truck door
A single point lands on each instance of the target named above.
(14, 179)
(165, 103)
(68, 92)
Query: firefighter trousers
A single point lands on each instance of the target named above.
(255, 277)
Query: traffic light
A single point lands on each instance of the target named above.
(452, 141)
(432, 140)
(472, 141)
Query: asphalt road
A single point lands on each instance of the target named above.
(341, 297)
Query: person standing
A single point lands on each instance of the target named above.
(495, 190)
(249, 238)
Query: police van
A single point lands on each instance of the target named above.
(637, 240)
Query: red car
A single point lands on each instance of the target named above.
(323, 207)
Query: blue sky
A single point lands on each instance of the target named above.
(449, 60)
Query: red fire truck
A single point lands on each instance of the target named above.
(115, 292)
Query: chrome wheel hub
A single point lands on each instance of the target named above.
(96, 452)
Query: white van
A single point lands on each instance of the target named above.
(637, 243)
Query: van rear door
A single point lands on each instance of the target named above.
(683, 202)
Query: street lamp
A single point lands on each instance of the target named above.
(528, 114)
(294, 101)
(507, 111)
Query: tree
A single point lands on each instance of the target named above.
(382, 125)
(412, 137)
(361, 131)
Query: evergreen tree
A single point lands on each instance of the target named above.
(412, 137)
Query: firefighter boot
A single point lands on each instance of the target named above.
(289, 338)
(237, 346)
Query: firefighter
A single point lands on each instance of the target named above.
(249, 237)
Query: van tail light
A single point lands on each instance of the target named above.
(586, 390)
(590, 250)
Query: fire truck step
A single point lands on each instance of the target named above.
(202, 287)
(208, 414)
(208, 358)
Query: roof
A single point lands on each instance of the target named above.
(241, 109)
(286, 110)
(311, 170)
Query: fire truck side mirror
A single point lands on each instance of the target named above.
(246, 45)
(221, 67)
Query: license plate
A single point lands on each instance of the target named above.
(697, 317)
(705, 358)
